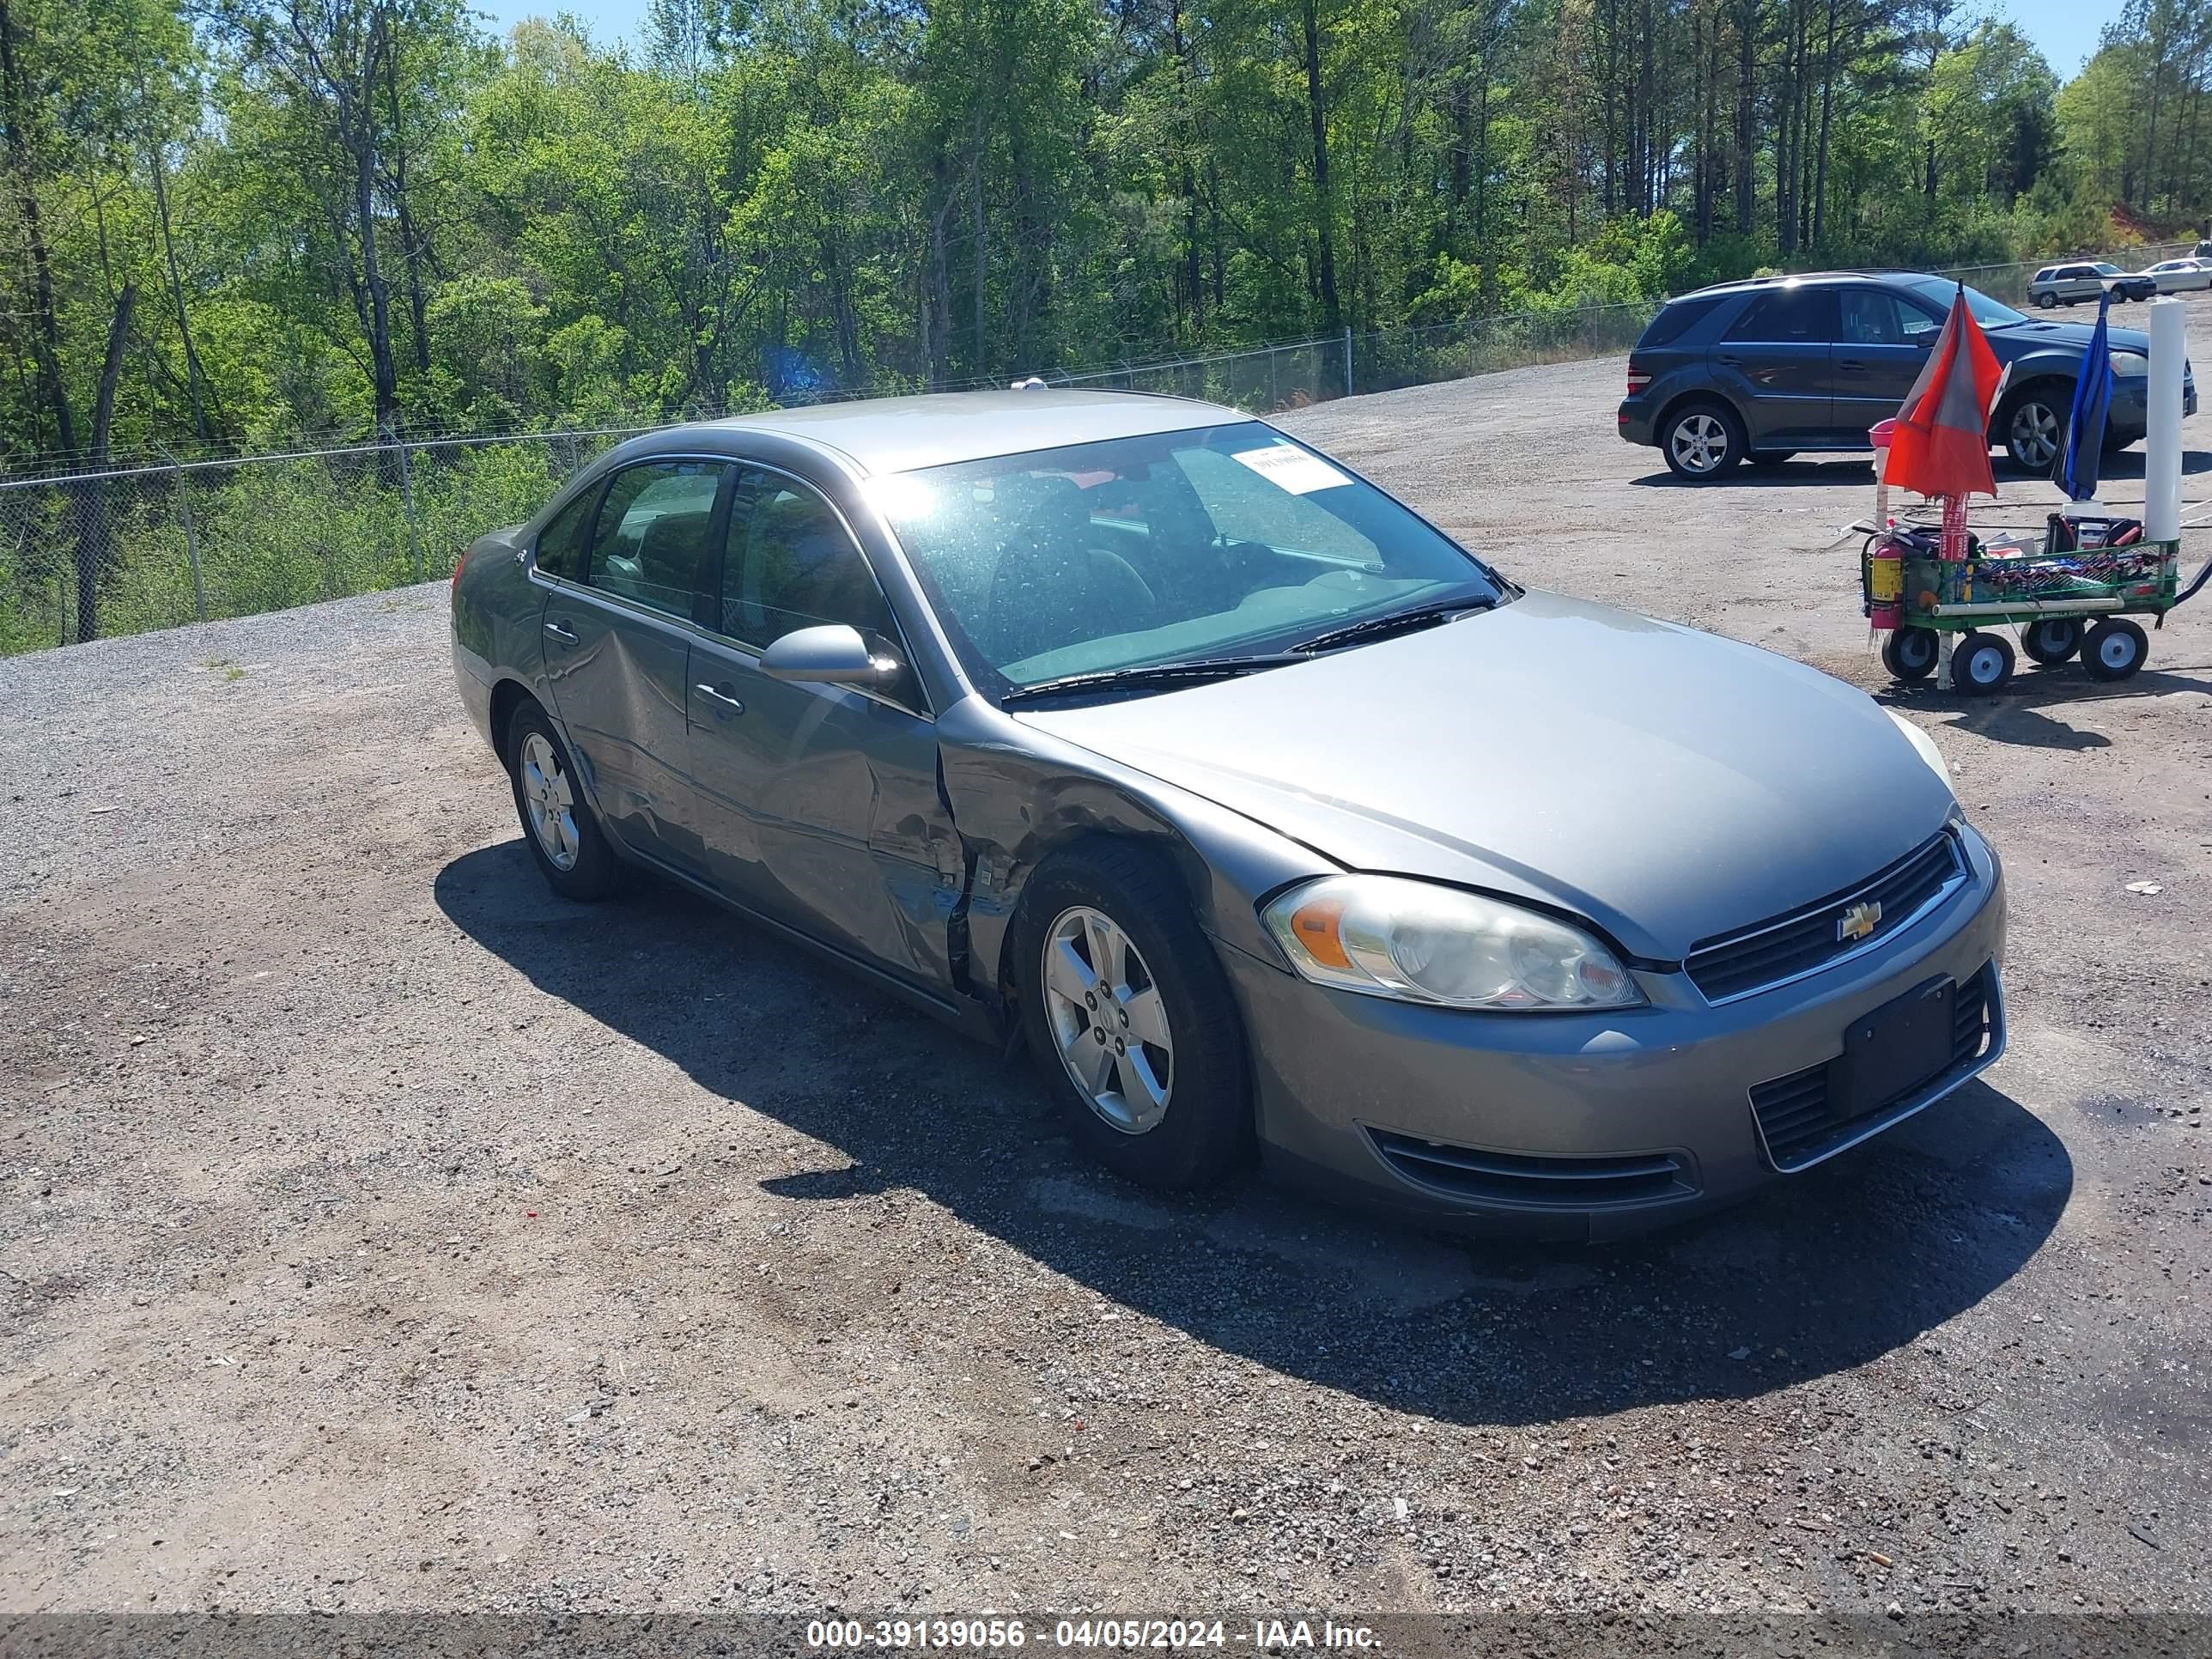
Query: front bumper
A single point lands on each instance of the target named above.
(2128, 416)
(1592, 1107)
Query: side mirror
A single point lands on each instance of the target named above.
(833, 654)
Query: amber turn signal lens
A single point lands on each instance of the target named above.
(1315, 926)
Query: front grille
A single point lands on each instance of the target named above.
(1738, 963)
(1517, 1178)
(1793, 1112)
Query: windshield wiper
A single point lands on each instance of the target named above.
(1148, 676)
(1397, 621)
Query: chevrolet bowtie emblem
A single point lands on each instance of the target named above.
(1857, 922)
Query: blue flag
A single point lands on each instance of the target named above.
(2076, 472)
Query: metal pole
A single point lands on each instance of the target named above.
(191, 536)
(1347, 360)
(407, 497)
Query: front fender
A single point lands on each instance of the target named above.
(1018, 794)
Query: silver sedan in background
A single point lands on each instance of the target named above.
(1265, 813)
(2179, 276)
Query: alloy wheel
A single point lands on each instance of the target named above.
(550, 800)
(1700, 442)
(1108, 1019)
(2035, 435)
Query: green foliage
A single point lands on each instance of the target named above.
(308, 222)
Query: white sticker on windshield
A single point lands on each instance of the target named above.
(1288, 467)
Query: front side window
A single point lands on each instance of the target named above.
(791, 564)
(1225, 541)
(561, 544)
(652, 533)
(1789, 316)
(1873, 316)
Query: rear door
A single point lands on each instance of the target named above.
(618, 642)
(817, 805)
(1882, 345)
(1777, 359)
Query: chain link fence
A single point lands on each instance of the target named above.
(92, 554)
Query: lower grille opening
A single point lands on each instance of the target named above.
(1793, 1111)
(1520, 1178)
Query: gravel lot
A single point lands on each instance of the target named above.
(382, 1233)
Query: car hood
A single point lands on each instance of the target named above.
(2036, 335)
(1667, 784)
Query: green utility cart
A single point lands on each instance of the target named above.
(2063, 602)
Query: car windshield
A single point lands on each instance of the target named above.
(2103, 269)
(1990, 313)
(1221, 542)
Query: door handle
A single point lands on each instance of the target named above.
(1852, 366)
(715, 695)
(561, 631)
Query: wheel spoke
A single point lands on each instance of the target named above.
(1147, 1017)
(1141, 1086)
(1089, 1060)
(1107, 956)
(1066, 974)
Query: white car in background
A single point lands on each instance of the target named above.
(2179, 276)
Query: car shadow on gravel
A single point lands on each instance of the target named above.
(1830, 1270)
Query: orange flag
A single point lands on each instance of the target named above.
(1942, 443)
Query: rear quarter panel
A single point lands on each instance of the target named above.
(495, 614)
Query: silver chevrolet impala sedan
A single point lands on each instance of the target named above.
(1262, 811)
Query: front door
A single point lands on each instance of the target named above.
(817, 805)
(1880, 350)
(617, 643)
(1775, 358)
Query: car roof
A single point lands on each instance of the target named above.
(1802, 278)
(897, 435)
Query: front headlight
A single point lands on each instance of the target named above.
(1926, 744)
(2129, 364)
(1385, 936)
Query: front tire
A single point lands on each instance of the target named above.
(2116, 647)
(1702, 441)
(558, 825)
(2048, 301)
(1128, 1016)
(1981, 664)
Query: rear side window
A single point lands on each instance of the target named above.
(1675, 319)
(561, 544)
(1789, 316)
(653, 533)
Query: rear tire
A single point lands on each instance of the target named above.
(1909, 653)
(1702, 441)
(2051, 641)
(2116, 647)
(1128, 1016)
(1981, 664)
(558, 825)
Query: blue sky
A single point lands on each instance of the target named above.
(2066, 30)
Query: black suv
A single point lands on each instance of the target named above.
(1759, 370)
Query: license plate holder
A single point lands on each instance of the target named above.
(1893, 1048)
